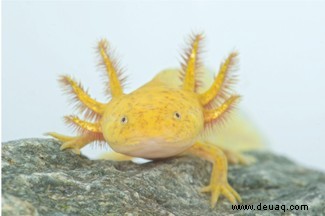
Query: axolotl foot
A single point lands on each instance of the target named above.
(221, 189)
(69, 142)
(218, 182)
(234, 157)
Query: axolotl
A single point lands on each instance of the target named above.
(159, 119)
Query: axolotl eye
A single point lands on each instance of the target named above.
(177, 115)
(124, 120)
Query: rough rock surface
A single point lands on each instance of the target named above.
(39, 179)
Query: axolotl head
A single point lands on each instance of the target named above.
(155, 121)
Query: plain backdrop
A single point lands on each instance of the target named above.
(282, 61)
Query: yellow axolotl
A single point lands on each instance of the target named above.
(161, 119)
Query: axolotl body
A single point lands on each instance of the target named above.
(160, 119)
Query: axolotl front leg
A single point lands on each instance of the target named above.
(218, 182)
(75, 143)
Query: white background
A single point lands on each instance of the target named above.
(282, 67)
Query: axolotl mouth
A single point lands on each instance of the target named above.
(153, 148)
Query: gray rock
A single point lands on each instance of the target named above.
(39, 179)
